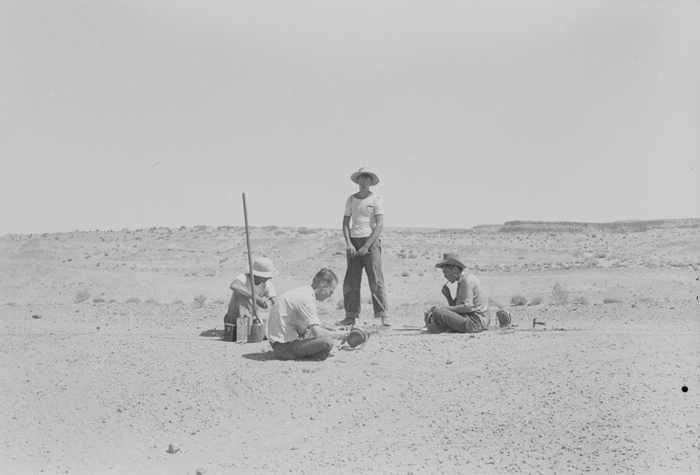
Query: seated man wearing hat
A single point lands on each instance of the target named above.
(294, 329)
(265, 294)
(468, 311)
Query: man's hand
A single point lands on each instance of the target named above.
(363, 250)
(350, 250)
(262, 302)
(446, 292)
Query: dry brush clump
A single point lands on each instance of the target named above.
(82, 296)
(612, 300)
(535, 301)
(559, 294)
(133, 300)
(200, 300)
(518, 300)
(495, 304)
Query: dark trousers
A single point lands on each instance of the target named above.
(446, 321)
(312, 348)
(372, 264)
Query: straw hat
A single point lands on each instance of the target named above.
(365, 171)
(357, 338)
(263, 267)
(450, 259)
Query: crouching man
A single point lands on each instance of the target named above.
(468, 311)
(294, 329)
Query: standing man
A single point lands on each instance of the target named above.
(241, 304)
(468, 311)
(294, 329)
(363, 223)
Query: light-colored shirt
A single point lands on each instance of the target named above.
(471, 293)
(363, 214)
(241, 306)
(293, 314)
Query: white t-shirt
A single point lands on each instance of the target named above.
(294, 312)
(363, 214)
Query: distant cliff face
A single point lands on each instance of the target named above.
(615, 227)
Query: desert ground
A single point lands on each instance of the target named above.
(112, 354)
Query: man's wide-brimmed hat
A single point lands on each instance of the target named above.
(450, 259)
(263, 267)
(365, 171)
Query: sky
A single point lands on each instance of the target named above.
(141, 113)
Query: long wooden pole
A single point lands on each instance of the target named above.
(250, 261)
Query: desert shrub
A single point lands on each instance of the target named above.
(559, 294)
(133, 300)
(581, 301)
(219, 301)
(112, 300)
(306, 231)
(98, 300)
(340, 304)
(518, 300)
(405, 273)
(612, 300)
(179, 302)
(200, 299)
(600, 255)
(82, 296)
(495, 303)
(152, 301)
(535, 301)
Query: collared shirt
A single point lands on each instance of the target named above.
(293, 314)
(471, 293)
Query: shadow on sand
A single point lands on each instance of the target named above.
(260, 356)
(214, 332)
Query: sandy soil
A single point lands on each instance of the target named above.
(95, 384)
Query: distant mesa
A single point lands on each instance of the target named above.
(627, 226)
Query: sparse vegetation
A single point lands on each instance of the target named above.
(200, 300)
(495, 303)
(340, 304)
(612, 300)
(535, 301)
(82, 296)
(98, 300)
(560, 295)
(133, 300)
(518, 300)
(152, 301)
(581, 301)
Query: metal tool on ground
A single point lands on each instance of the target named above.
(249, 327)
(535, 322)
